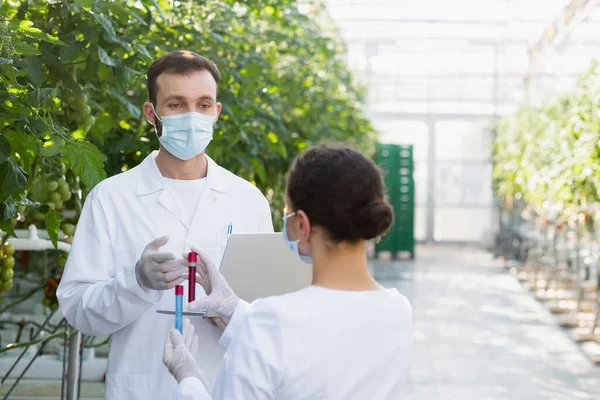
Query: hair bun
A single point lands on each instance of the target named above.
(375, 219)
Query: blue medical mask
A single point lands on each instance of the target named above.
(293, 244)
(186, 135)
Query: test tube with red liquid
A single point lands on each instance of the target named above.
(193, 260)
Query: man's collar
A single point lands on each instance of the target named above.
(150, 179)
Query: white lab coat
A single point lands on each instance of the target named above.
(99, 293)
(315, 343)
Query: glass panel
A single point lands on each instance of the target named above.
(462, 140)
(420, 174)
(427, 91)
(405, 132)
(395, 29)
(420, 222)
(462, 224)
(585, 32)
(473, 10)
(463, 184)
(416, 107)
(434, 64)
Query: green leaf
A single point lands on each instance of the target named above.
(26, 28)
(259, 169)
(39, 96)
(33, 204)
(84, 3)
(217, 37)
(160, 11)
(132, 108)
(53, 225)
(86, 161)
(143, 51)
(4, 149)
(34, 70)
(106, 25)
(105, 58)
(52, 147)
(12, 178)
(8, 211)
(23, 48)
(10, 72)
(67, 53)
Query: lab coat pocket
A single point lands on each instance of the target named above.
(130, 387)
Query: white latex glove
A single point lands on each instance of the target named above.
(158, 271)
(178, 355)
(219, 299)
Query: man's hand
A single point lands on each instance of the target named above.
(220, 299)
(158, 271)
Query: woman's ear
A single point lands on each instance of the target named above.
(304, 227)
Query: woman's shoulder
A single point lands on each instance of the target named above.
(273, 304)
(281, 307)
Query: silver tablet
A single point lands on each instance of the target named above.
(258, 265)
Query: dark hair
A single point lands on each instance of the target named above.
(340, 190)
(179, 63)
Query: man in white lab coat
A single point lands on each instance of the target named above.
(123, 263)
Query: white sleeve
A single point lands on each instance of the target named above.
(90, 299)
(234, 323)
(191, 389)
(253, 365)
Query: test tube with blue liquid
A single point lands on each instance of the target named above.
(179, 307)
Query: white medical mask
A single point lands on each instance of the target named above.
(293, 244)
(186, 135)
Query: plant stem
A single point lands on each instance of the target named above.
(49, 328)
(22, 299)
(93, 346)
(31, 343)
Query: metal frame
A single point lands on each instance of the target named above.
(71, 367)
(430, 204)
(574, 13)
(391, 116)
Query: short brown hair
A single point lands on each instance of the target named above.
(180, 62)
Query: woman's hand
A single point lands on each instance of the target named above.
(220, 299)
(178, 354)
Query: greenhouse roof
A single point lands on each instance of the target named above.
(464, 55)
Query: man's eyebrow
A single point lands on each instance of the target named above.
(206, 97)
(173, 97)
(182, 98)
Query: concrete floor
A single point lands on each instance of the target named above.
(478, 335)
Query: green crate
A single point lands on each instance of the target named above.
(396, 163)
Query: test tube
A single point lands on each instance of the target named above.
(179, 307)
(193, 260)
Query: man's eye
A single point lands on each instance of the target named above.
(175, 105)
(205, 106)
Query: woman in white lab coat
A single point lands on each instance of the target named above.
(343, 337)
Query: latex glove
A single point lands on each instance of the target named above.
(158, 271)
(219, 299)
(178, 355)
